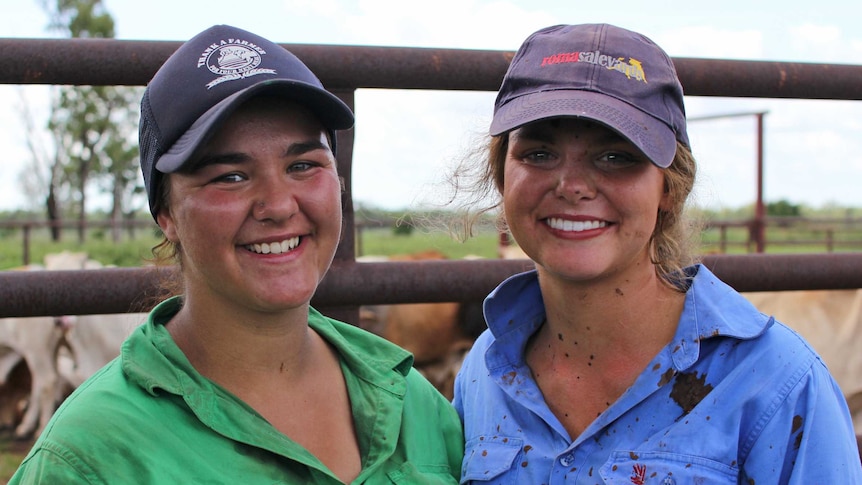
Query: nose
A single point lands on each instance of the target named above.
(575, 181)
(273, 201)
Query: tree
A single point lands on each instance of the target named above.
(783, 208)
(94, 127)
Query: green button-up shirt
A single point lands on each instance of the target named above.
(150, 417)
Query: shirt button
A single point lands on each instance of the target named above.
(567, 460)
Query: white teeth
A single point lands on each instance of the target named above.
(575, 226)
(275, 247)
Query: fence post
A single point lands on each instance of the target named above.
(26, 252)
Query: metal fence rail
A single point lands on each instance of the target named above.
(343, 69)
(120, 290)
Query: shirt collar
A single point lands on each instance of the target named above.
(713, 309)
(160, 364)
(515, 309)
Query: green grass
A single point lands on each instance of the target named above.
(132, 252)
(384, 242)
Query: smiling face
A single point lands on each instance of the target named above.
(258, 214)
(580, 200)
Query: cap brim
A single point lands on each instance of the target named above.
(654, 138)
(333, 113)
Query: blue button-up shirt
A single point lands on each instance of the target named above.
(736, 397)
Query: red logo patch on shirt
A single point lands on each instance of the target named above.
(638, 474)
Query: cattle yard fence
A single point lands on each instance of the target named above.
(344, 69)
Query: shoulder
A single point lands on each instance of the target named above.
(106, 403)
(363, 351)
(100, 418)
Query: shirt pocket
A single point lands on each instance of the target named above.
(488, 457)
(662, 468)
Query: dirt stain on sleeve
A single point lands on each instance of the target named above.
(797, 425)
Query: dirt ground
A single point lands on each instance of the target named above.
(12, 451)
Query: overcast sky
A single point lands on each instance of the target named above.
(407, 140)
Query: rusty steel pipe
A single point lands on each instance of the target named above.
(119, 290)
(132, 63)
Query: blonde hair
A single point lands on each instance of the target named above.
(478, 188)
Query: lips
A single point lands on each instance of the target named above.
(274, 247)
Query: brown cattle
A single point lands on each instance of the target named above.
(437, 334)
(427, 330)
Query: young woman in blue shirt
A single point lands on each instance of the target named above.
(619, 359)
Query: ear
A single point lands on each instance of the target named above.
(666, 202)
(166, 222)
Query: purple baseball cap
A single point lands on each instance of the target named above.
(205, 80)
(599, 72)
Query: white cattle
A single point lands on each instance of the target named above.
(14, 390)
(36, 340)
(92, 342)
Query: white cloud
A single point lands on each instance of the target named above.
(712, 42)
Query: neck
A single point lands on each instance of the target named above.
(632, 314)
(227, 346)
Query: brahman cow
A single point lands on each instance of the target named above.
(36, 341)
(40, 341)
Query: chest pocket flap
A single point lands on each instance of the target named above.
(487, 457)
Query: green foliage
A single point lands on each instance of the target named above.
(92, 128)
(783, 208)
(402, 229)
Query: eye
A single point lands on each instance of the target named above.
(301, 166)
(617, 160)
(229, 178)
(539, 157)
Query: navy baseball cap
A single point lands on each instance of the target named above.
(205, 80)
(599, 72)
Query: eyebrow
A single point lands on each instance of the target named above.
(305, 147)
(233, 158)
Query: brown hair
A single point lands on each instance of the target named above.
(672, 244)
(166, 254)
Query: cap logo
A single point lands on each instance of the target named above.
(233, 59)
(632, 70)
